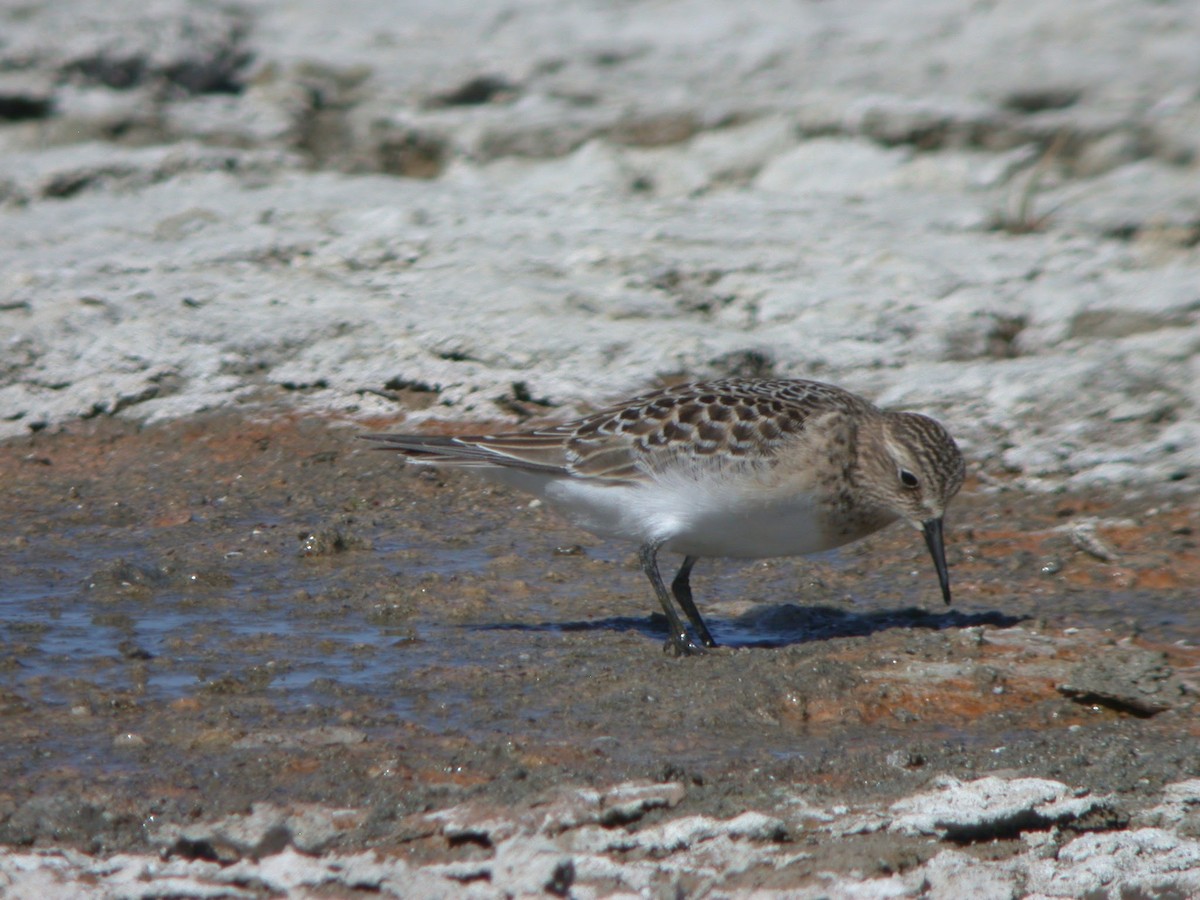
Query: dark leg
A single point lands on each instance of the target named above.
(682, 589)
(681, 641)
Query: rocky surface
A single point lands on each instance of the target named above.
(241, 658)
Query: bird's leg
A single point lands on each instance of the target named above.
(681, 642)
(681, 587)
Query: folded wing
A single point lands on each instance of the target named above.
(542, 452)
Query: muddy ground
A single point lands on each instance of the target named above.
(203, 616)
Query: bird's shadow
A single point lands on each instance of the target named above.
(785, 625)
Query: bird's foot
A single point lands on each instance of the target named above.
(682, 645)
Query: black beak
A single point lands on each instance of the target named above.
(937, 549)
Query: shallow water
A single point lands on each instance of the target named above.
(112, 607)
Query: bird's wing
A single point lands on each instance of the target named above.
(708, 424)
(716, 424)
(529, 451)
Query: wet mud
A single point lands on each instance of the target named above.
(203, 616)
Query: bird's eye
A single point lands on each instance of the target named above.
(908, 479)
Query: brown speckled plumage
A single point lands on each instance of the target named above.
(737, 467)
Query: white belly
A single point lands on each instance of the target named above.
(690, 517)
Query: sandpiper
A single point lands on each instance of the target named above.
(743, 468)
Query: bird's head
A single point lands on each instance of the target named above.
(912, 469)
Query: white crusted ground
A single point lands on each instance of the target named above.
(649, 190)
(573, 845)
